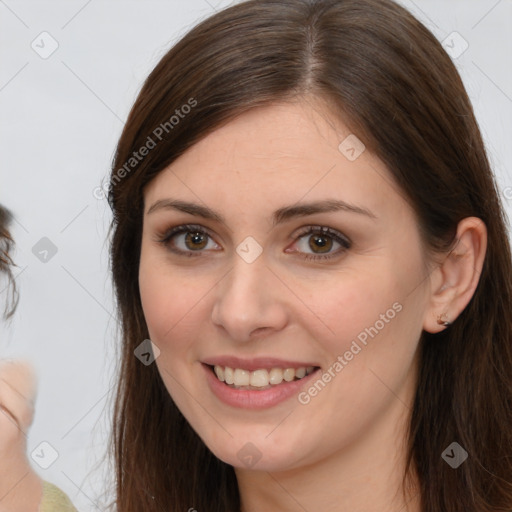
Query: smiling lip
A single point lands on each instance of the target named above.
(256, 399)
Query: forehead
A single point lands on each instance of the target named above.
(276, 155)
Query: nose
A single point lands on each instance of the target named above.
(249, 301)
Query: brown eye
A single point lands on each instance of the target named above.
(320, 243)
(195, 241)
(188, 240)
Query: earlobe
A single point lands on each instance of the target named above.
(455, 280)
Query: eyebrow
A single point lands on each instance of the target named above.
(279, 216)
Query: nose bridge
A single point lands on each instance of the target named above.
(247, 301)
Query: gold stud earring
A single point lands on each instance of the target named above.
(442, 319)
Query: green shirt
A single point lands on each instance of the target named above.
(54, 500)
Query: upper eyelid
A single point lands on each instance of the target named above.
(298, 231)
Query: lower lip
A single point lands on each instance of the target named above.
(247, 399)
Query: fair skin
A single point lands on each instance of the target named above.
(20, 487)
(344, 449)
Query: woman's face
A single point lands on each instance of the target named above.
(289, 252)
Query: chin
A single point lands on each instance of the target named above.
(255, 455)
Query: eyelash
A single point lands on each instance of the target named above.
(309, 230)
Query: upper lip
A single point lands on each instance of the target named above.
(256, 363)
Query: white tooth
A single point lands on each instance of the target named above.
(259, 378)
(300, 372)
(229, 375)
(241, 377)
(289, 374)
(276, 376)
(219, 371)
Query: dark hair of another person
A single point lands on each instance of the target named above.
(6, 263)
(393, 85)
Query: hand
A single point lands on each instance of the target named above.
(20, 487)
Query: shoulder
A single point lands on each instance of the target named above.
(54, 500)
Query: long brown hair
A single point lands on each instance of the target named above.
(397, 89)
(6, 263)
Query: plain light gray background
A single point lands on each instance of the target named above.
(61, 117)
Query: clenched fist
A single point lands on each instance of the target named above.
(20, 487)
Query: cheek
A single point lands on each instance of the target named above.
(376, 322)
(350, 304)
(167, 302)
(373, 312)
(172, 305)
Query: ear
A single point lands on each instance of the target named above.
(454, 280)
